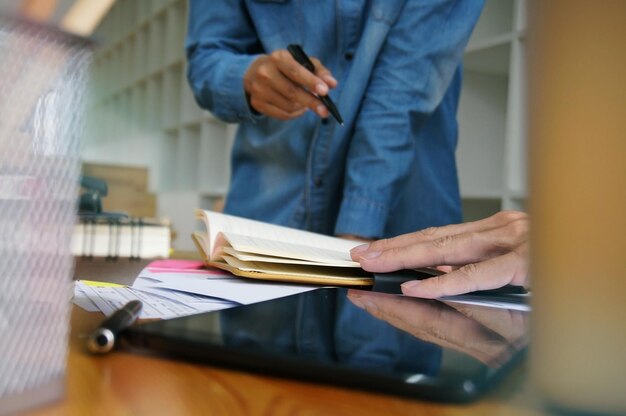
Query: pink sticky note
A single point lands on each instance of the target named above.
(183, 266)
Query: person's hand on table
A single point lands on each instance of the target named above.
(489, 335)
(485, 254)
(277, 85)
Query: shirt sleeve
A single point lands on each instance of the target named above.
(414, 68)
(220, 46)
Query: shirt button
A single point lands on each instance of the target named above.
(318, 182)
(348, 56)
(325, 121)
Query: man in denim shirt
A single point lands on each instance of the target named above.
(393, 69)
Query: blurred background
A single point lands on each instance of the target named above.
(163, 156)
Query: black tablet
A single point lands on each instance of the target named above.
(361, 339)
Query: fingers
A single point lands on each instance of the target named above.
(436, 323)
(265, 100)
(453, 245)
(427, 234)
(293, 92)
(449, 250)
(510, 268)
(412, 254)
(280, 87)
(268, 87)
(297, 73)
(275, 111)
(512, 325)
(499, 220)
(324, 73)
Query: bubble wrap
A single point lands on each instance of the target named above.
(42, 90)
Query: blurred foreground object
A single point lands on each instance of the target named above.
(578, 203)
(42, 85)
(79, 17)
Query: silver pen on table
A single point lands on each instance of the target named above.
(103, 338)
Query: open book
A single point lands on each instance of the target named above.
(259, 250)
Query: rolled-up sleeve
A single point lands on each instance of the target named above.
(220, 46)
(415, 66)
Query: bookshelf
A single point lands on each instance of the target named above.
(142, 112)
(492, 129)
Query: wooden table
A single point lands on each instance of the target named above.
(124, 383)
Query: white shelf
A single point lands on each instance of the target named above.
(491, 42)
(492, 127)
(143, 113)
(494, 60)
(482, 125)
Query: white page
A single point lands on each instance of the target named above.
(272, 259)
(81, 299)
(111, 298)
(198, 302)
(320, 272)
(268, 247)
(149, 276)
(181, 297)
(227, 224)
(244, 291)
(108, 299)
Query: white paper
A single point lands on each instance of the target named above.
(198, 302)
(243, 291)
(108, 299)
(81, 299)
(492, 303)
(168, 292)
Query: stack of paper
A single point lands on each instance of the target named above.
(172, 288)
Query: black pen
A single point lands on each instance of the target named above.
(102, 339)
(301, 57)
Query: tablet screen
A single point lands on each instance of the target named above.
(376, 341)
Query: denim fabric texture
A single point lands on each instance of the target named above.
(391, 168)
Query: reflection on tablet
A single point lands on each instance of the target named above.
(376, 341)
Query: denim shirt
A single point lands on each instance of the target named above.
(391, 168)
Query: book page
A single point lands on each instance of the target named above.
(213, 223)
(291, 270)
(272, 259)
(290, 250)
(293, 240)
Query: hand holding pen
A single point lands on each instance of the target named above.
(279, 86)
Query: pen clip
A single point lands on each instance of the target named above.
(301, 57)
